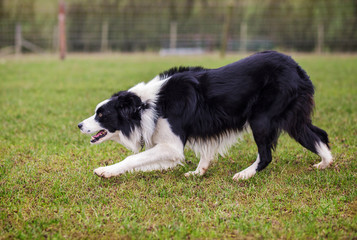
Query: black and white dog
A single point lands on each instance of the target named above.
(207, 110)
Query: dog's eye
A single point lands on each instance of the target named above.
(100, 115)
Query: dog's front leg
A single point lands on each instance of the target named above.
(162, 156)
(202, 166)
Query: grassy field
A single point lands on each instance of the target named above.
(48, 190)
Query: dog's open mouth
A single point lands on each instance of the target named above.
(98, 136)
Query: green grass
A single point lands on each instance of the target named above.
(48, 190)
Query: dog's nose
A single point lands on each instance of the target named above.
(80, 125)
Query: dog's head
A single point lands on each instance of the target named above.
(116, 116)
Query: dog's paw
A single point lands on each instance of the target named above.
(197, 172)
(322, 165)
(192, 173)
(103, 172)
(243, 175)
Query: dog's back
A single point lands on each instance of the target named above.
(211, 101)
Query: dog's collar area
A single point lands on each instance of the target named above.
(142, 142)
(143, 106)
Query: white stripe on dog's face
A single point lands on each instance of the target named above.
(101, 104)
(91, 125)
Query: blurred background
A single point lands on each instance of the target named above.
(178, 27)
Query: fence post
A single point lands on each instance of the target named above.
(320, 38)
(173, 34)
(18, 39)
(243, 37)
(226, 27)
(62, 30)
(104, 38)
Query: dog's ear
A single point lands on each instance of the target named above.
(129, 105)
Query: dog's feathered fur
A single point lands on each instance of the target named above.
(207, 109)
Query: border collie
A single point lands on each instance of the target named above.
(207, 110)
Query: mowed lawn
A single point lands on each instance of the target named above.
(48, 189)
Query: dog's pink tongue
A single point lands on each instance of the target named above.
(98, 134)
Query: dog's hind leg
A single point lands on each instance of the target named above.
(324, 152)
(248, 172)
(265, 136)
(263, 159)
(315, 140)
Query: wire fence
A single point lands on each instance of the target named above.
(191, 25)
